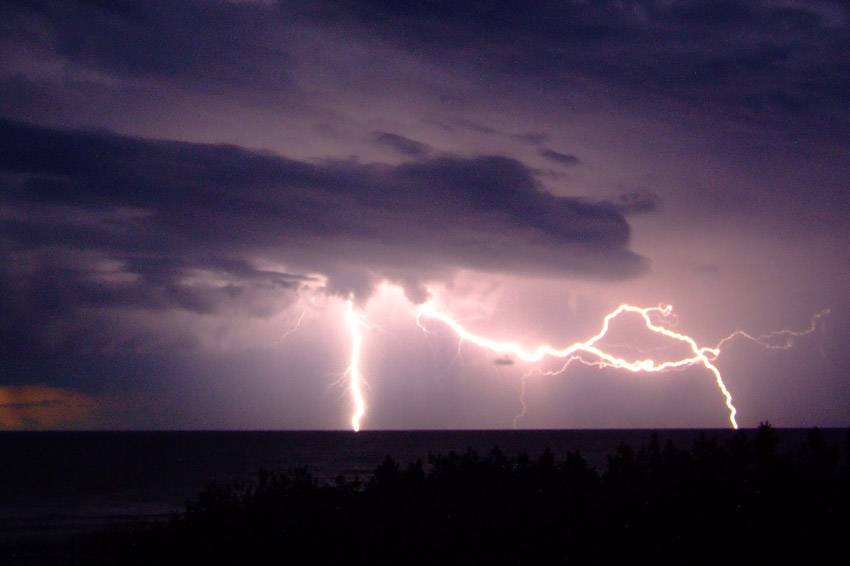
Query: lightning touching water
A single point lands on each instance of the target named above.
(355, 379)
(588, 352)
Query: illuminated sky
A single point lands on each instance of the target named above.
(190, 192)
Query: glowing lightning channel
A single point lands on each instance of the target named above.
(355, 378)
(290, 331)
(580, 351)
(521, 400)
(768, 340)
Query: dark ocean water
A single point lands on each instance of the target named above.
(54, 485)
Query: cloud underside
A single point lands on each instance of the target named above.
(767, 63)
(98, 219)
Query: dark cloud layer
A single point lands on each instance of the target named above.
(637, 202)
(755, 62)
(560, 158)
(109, 220)
(403, 145)
(781, 65)
(244, 178)
(202, 45)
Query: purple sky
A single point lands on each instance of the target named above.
(184, 183)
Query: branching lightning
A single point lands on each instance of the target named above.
(290, 331)
(588, 352)
(779, 339)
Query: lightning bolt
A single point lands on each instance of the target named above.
(587, 352)
(521, 400)
(290, 331)
(769, 340)
(598, 357)
(355, 378)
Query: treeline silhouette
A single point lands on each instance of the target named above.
(742, 500)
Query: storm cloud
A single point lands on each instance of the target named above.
(403, 145)
(560, 158)
(185, 182)
(120, 221)
(777, 65)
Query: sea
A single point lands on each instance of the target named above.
(56, 486)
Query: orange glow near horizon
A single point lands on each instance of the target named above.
(43, 407)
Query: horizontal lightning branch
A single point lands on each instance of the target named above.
(588, 352)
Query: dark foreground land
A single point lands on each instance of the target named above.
(710, 503)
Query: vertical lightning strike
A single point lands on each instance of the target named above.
(521, 401)
(355, 378)
(589, 353)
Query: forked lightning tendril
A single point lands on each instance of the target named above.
(598, 356)
(587, 352)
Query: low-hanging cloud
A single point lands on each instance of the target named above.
(401, 144)
(560, 158)
(99, 219)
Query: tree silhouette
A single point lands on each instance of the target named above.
(742, 500)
